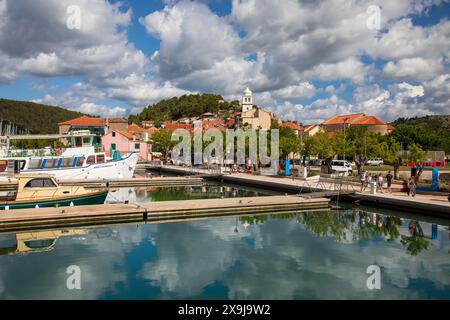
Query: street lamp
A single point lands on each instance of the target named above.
(345, 120)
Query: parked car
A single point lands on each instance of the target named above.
(341, 166)
(374, 162)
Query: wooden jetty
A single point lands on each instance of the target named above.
(28, 219)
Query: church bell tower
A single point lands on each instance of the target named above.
(247, 100)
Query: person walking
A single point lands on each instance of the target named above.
(368, 181)
(380, 183)
(362, 179)
(412, 187)
(389, 178)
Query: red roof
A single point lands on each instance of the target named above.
(390, 127)
(174, 126)
(349, 118)
(127, 135)
(84, 120)
(310, 127)
(369, 120)
(134, 128)
(292, 125)
(91, 121)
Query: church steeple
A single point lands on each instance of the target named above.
(247, 100)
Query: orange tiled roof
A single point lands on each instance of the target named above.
(390, 127)
(368, 120)
(174, 126)
(91, 121)
(84, 120)
(134, 128)
(349, 118)
(127, 135)
(310, 127)
(292, 125)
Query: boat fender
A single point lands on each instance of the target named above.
(37, 206)
(6, 207)
(71, 203)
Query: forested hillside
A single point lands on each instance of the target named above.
(185, 106)
(33, 117)
(430, 132)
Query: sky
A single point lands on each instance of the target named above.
(305, 60)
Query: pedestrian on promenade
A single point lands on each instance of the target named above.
(411, 187)
(380, 183)
(368, 181)
(389, 178)
(362, 178)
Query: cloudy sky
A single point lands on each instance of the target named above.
(303, 59)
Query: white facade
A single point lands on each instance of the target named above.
(247, 100)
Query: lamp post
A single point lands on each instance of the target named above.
(345, 120)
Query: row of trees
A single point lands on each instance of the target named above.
(358, 145)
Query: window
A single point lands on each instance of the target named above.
(137, 146)
(90, 160)
(51, 163)
(80, 161)
(66, 163)
(100, 158)
(35, 164)
(114, 134)
(86, 140)
(40, 183)
(113, 146)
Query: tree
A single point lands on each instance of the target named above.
(416, 154)
(289, 142)
(161, 141)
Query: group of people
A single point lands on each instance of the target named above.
(380, 180)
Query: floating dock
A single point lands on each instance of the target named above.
(28, 219)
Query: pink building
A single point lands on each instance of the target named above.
(126, 142)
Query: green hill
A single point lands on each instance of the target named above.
(431, 132)
(441, 122)
(33, 117)
(185, 106)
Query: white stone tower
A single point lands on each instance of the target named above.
(247, 100)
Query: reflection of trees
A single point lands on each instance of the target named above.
(362, 225)
(190, 193)
(416, 242)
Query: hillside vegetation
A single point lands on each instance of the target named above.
(186, 106)
(33, 117)
(430, 132)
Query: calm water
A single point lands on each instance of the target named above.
(322, 255)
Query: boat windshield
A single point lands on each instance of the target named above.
(40, 183)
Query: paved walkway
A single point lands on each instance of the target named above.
(397, 200)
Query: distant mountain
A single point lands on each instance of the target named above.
(186, 106)
(33, 117)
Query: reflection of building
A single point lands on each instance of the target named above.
(371, 123)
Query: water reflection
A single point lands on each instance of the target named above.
(317, 255)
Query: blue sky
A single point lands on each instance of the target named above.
(303, 60)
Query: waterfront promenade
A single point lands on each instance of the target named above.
(427, 204)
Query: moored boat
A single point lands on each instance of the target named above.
(43, 191)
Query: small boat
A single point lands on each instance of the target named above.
(37, 190)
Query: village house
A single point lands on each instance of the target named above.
(253, 117)
(126, 142)
(371, 123)
(96, 126)
(294, 126)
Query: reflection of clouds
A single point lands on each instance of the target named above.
(277, 259)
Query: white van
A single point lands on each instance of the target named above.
(341, 166)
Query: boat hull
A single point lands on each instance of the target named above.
(97, 198)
